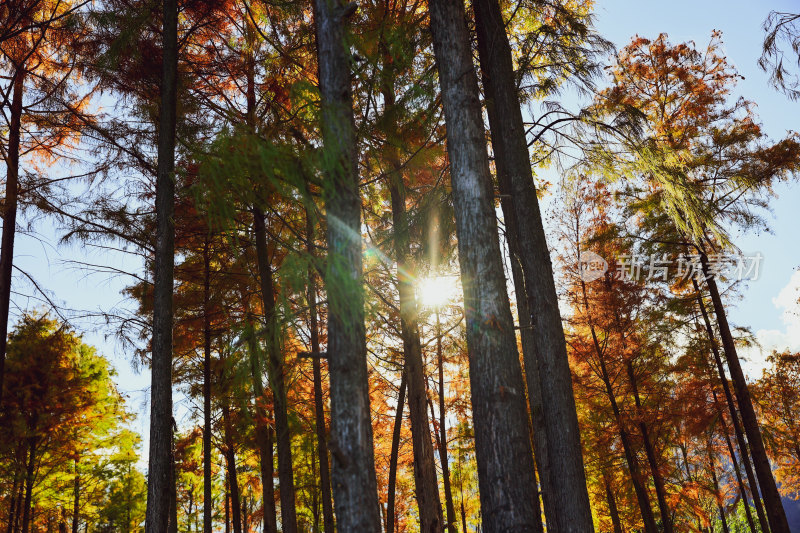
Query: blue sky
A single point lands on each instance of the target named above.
(767, 305)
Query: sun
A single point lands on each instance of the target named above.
(436, 292)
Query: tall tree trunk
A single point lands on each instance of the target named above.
(736, 469)
(443, 458)
(737, 428)
(76, 499)
(12, 507)
(207, 488)
(564, 479)
(230, 465)
(652, 461)
(612, 504)
(276, 376)
(263, 438)
(158, 478)
(427, 488)
(639, 486)
(10, 214)
(391, 516)
(717, 493)
(354, 484)
(316, 364)
(769, 490)
(502, 444)
(29, 478)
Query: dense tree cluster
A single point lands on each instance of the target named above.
(336, 253)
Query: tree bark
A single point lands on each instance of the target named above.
(29, 479)
(230, 465)
(276, 377)
(612, 504)
(502, 444)
(443, 458)
(10, 214)
(354, 483)
(263, 439)
(427, 489)
(776, 516)
(319, 406)
(744, 450)
(207, 489)
(564, 479)
(391, 517)
(650, 452)
(158, 478)
(76, 499)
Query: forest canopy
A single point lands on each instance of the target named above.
(389, 266)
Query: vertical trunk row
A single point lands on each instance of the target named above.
(319, 407)
(276, 380)
(502, 444)
(612, 504)
(737, 429)
(10, 214)
(158, 478)
(769, 490)
(565, 480)
(230, 465)
(391, 517)
(355, 487)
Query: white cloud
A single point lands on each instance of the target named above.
(775, 339)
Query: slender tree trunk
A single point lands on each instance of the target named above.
(612, 504)
(10, 214)
(227, 505)
(652, 461)
(76, 499)
(230, 464)
(207, 488)
(263, 439)
(736, 469)
(737, 428)
(527, 336)
(354, 484)
(173, 495)
(427, 489)
(391, 516)
(316, 364)
(717, 493)
(158, 478)
(502, 444)
(29, 478)
(769, 490)
(564, 480)
(276, 377)
(443, 458)
(639, 487)
(12, 507)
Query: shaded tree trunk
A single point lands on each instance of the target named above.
(207, 488)
(737, 428)
(76, 499)
(10, 214)
(391, 517)
(159, 480)
(29, 478)
(316, 364)
(502, 444)
(443, 458)
(276, 377)
(776, 516)
(652, 461)
(230, 465)
(427, 488)
(717, 493)
(563, 478)
(354, 483)
(612, 504)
